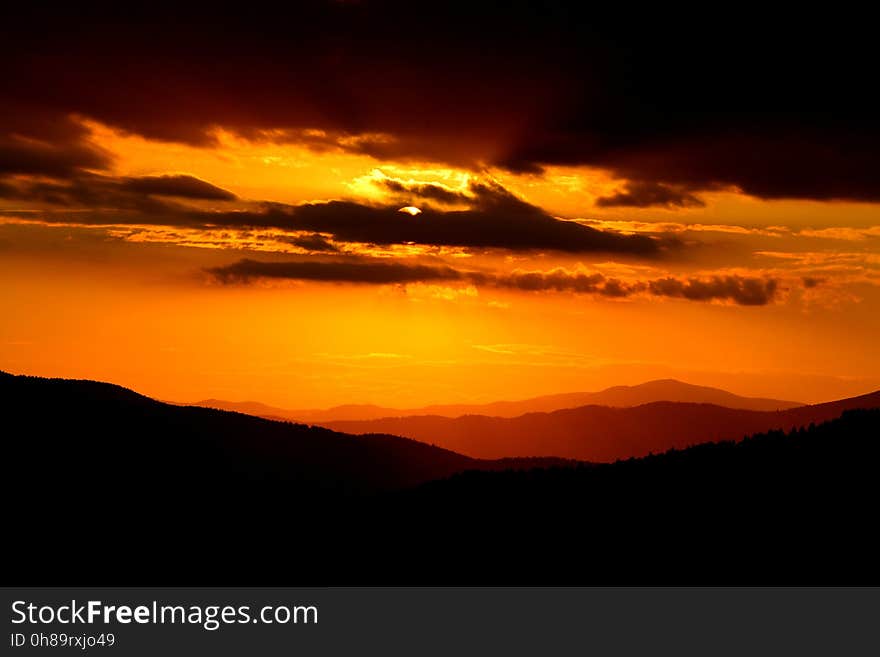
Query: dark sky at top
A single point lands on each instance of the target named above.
(778, 104)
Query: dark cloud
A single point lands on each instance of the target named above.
(746, 291)
(641, 194)
(776, 103)
(334, 271)
(178, 185)
(497, 219)
(741, 290)
(130, 200)
(37, 142)
(426, 191)
(558, 280)
(313, 242)
(88, 192)
(58, 159)
(812, 281)
(774, 163)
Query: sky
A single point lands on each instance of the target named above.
(372, 202)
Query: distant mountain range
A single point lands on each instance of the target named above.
(777, 508)
(600, 433)
(98, 431)
(102, 483)
(617, 396)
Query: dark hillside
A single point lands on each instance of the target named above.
(103, 485)
(601, 433)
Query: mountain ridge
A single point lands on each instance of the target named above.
(187, 442)
(615, 396)
(601, 433)
(107, 475)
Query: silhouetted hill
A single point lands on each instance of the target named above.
(600, 433)
(617, 396)
(664, 390)
(102, 485)
(313, 416)
(777, 508)
(85, 430)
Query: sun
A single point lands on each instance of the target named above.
(410, 209)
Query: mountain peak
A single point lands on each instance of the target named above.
(615, 396)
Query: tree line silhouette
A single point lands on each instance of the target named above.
(104, 485)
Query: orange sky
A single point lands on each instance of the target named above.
(134, 304)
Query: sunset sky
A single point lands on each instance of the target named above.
(204, 206)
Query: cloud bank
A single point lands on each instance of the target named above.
(740, 290)
(777, 105)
